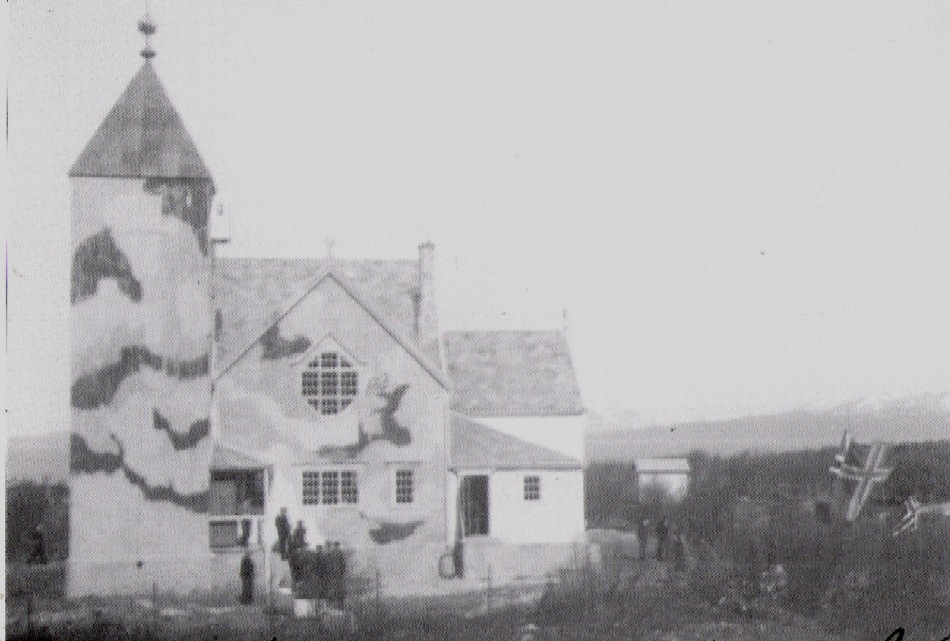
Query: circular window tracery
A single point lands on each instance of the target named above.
(329, 383)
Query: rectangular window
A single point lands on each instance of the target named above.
(330, 487)
(404, 489)
(311, 488)
(349, 493)
(532, 488)
(329, 406)
(223, 534)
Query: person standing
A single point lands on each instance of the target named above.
(320, 572)
(298, 540)
(643, 534)
(679, 552)
(247, 579)
(38, 553)
(662, 532)
(283, 533)
(337, 572)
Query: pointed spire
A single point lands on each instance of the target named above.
(141, 137)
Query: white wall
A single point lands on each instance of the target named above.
(563, 434)
(674, 484)
(557, 517)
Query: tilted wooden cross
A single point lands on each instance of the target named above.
(866, 476)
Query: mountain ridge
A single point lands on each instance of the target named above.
(884, 417)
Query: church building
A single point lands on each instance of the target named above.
(209, 393)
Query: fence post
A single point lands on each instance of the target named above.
(155, 607)
(488, 591)
(378, 588)
(29, 615)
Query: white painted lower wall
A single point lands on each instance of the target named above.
(564, 434)
(557, 517)
(674, 485)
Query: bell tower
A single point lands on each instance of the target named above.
(142, 324)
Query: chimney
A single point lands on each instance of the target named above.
(427, 323)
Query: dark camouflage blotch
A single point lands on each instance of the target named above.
(98, 257)
(83, 460)
(389, 532)
(188, 200)
(276, 346)
(198, 431)
(91, 390)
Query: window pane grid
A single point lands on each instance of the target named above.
(330, 487)
(311, 488)
(348, 491)
(330, 383)
(404, 486)
(532, 488)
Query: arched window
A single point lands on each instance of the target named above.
(329, 383)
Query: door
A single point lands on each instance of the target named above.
(474, 499)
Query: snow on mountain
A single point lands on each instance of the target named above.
(897, 403)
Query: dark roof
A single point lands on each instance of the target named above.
(507, 373)
(476, 446)
(141, 137)
(252, 293)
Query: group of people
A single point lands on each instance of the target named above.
(670, 544)
(321, 573)
(289, 541)
(324, 569)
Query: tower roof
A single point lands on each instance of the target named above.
(142, 137)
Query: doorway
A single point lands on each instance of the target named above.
(473, 496)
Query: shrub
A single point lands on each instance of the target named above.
(30, 504)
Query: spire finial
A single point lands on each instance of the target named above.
(147, 27)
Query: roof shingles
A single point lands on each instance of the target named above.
(252, 293)
(512, 373)
(142, 137)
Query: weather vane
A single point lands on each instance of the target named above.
(147, 28)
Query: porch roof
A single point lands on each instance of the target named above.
(477, 446)
(228, 458)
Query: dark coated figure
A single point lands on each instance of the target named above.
(298, 540)
(38, 550)
(662, 533)
(336, 569)
(247, 579)
(283, 533)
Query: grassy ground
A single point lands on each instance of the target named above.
(652, 605)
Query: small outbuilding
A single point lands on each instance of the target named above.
(670, 475)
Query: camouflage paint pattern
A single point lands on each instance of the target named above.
(141, 394)
(397, 420)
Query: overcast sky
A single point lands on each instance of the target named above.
(744, 206)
